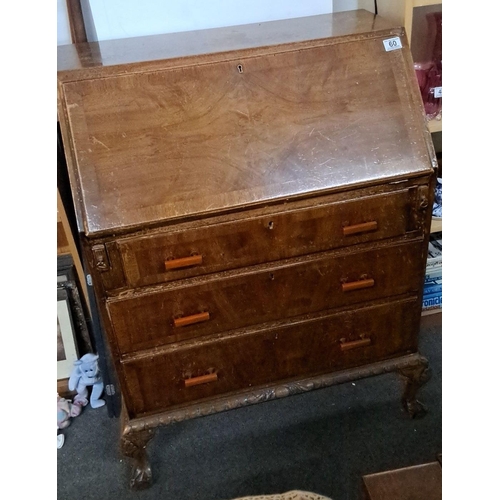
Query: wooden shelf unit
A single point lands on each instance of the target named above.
(429, 312)
(435, 126)
(436, 226)
(402, 12)
(66, 244)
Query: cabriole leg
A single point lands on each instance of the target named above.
(134, 445)
(415, 377)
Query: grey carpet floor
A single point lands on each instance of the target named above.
(322, 441)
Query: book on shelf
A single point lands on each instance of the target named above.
(436, 244)
(434, 302)
(435, 252)
(434, 277)
(433, 284)
(433, 274)
(433, 289)
(433, 292)
(434, 263)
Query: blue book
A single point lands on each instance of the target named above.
(433, 302)
(436, 280)
(436, 274)
(433, 289)
(434, 277)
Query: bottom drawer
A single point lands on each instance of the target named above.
(194, 371)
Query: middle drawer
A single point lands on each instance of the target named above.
(194, 309)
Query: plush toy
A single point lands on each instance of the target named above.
(65, 411)
(84, 374)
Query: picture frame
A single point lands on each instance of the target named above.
(67, 350)
(67, 279)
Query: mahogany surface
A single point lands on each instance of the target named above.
(254, 205)
(274, 236)
(126, 55)
(145, 318)
(251, 358)
(201, 138)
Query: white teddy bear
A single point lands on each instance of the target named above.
(85, 373)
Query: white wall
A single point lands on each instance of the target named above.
(129, 18)
(63, 32)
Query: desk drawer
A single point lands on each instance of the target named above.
(204, 369)
(215, 305)
(217, 247)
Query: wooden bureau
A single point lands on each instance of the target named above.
(254, 206)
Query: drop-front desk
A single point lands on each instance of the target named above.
(254, 206)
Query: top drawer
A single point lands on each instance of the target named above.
(179, 254)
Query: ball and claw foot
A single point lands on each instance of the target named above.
(134, 446)
(141, 477)
(415, 409)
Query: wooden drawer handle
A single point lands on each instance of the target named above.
(191, 320)
(358, 285)
(345, 346)
(204, 379)
(193, 260)
(360, 228)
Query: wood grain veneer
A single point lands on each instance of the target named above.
(254, 206)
